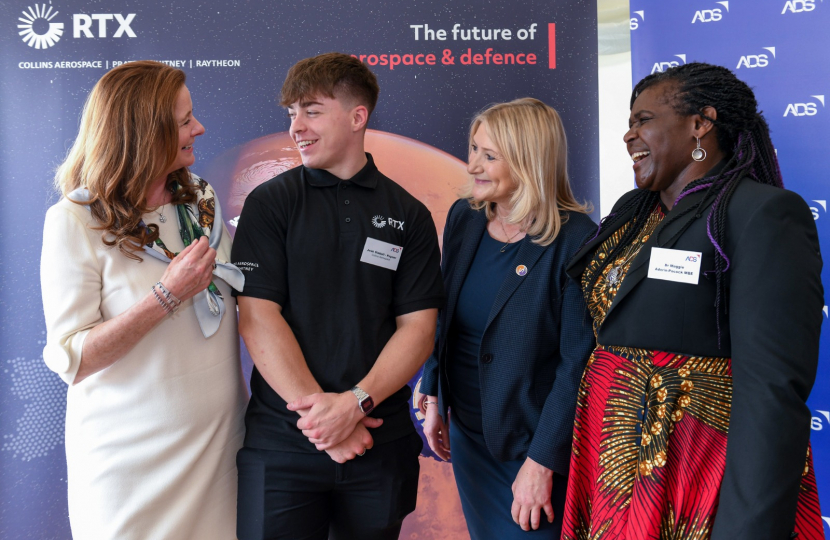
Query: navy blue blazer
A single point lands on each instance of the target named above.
(535, 346)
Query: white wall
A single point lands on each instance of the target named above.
(614, 47)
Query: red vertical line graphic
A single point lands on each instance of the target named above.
(551, 45)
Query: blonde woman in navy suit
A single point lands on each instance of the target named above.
(514, 337)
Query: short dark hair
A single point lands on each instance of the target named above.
(333, 75)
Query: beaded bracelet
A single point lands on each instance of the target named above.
(171, 300)
(167, 309)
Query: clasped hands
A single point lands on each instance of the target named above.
(335, 424)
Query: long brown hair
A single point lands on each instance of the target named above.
(531, 137)
(127, 139)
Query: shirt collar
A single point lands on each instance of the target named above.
(365, 177)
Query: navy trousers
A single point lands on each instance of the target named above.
(485, 487)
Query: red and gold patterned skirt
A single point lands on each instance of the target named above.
(649, 449)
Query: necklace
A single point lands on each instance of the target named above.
(509, 238)
(615, 274)
(161, 214)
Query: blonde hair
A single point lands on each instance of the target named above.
(530, 137)
(128, 138)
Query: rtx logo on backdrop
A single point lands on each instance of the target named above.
(756, 60)
(710, 15)
(634, 23)
(798, 6)
(804, 109)
(663, 66)
(817, 214)
(39, 31)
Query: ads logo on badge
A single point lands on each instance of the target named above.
(37, 29)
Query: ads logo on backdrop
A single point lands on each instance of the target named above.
(710, 15)
(805, 109)
(40, 32)
(634, 23)
(756, 60)
(663, 66)
(798, 6)
(820, 422)
(816, 215)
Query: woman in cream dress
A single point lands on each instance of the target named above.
(146, 339)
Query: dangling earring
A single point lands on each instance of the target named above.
(698, 154)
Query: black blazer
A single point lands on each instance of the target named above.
(535, 346)
(771, 333)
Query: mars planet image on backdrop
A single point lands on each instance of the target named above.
(433, 177)
(430, 175)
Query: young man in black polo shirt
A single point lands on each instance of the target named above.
(338, 312)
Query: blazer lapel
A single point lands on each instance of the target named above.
(668, 235)
(527, 256)
(576, 266)
(466, 253)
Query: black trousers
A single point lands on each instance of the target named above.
(297, 496)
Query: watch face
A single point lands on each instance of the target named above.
(367, 405)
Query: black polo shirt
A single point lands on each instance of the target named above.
(300, 240)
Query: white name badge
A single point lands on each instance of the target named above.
(675, 265)
(381, 254)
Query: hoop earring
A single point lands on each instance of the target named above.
(698, 154)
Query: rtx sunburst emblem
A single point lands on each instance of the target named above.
(36, 29)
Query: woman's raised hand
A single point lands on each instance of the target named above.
(191, 271)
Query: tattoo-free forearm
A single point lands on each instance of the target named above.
(274, 349)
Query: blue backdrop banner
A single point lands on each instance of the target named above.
(437, 64)
(781, 48)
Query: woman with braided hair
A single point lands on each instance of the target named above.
(704, 285)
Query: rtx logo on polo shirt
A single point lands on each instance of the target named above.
(756, 60)
(804, 109)
(380, 222)
(798, 6)
(634, 23)
(710, 15)
(663, 66)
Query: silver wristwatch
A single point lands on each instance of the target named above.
(364, 400)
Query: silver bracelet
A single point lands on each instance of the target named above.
(161, 302)
(429, 403)
(171, 300)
